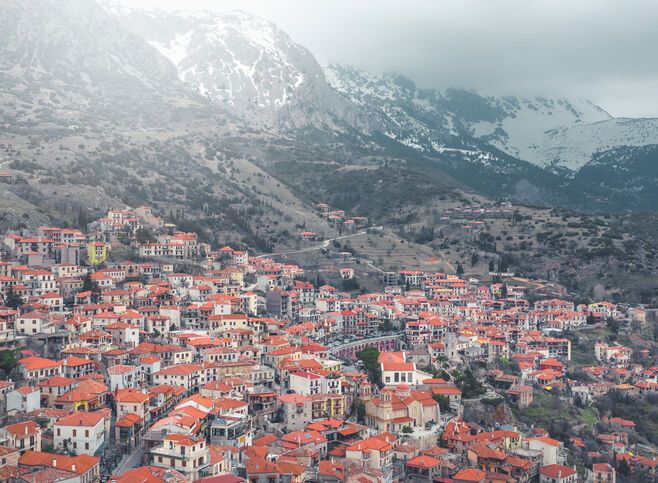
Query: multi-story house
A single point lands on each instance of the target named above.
(182, 453)
(25, 436)
(82, 432)
(309, 383)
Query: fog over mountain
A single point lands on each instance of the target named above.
(254, 69)
(136, 68)
(512, 47)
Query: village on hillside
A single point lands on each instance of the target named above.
(130, 351)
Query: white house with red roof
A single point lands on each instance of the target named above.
(36, 368)
(82, 432)
(557, 474)
(55, 386)
(132, 401)
(309, 383)
(614, 355)
(122, 376)
(550, 448)
(374, 452)
(37, 322)
(182, 453)
(24, 436)
(77, 367)
(23, 399)
(396, 369)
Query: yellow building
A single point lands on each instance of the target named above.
(327, 405)
(97, 253)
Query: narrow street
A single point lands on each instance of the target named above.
(132, 460)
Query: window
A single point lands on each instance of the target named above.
(75, 433)
(59, 432)
(86, 433)
(86, 445)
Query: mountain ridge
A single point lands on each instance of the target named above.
(279, 94)
(260, 74)
(245, 64)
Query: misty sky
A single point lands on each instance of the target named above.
(601, 50)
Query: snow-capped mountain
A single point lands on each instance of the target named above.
(243, 63)
(405, 114)
(576, 146)
(522, 131)
(255, 70)
(72, 63)
(550, 133)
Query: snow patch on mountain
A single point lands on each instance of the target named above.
(556, 134)
(175, 49)
(248, 66)
(405, 113)
(237, 59)
(522, 131)
(573, 147)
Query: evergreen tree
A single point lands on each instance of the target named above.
(12, 299)
(623, 468)
(370, 358)
(475, 258)
(8, 361)
(444, 402)
(469, 384)
(88, 283)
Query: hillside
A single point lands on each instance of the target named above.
(67, 64)
(246, 65)
(225, 122)
(527, 149)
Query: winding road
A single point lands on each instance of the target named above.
(322, 245)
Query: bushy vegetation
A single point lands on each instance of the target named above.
(370, 358)
(468, 384)
(643, 411)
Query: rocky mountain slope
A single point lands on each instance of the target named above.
(78, 81)
(228, 128)
(558, 134)
(245, 64)
(69, 62)
(503, 147)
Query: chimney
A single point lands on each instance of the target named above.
(54, 462)
(73, 468)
